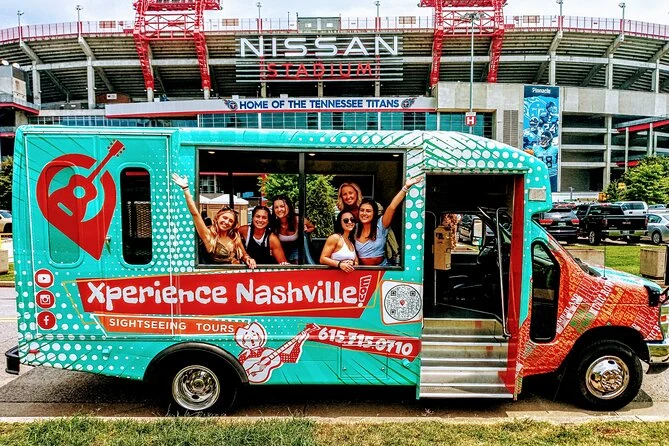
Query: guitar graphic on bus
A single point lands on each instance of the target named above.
(260, 361)
(66, 207)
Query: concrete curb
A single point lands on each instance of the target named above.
(538, 417)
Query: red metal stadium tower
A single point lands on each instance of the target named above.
(172, 20)
(453, 17)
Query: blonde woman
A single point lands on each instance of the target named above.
(349, 197)
(221, 239)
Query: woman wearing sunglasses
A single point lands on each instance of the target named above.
(221, 239)
(370, 238)
(260, 242)
(339, 251)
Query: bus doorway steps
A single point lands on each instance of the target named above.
(463, 358)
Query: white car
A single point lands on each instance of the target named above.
(5, 221)
(634, 207)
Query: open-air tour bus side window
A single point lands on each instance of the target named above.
(301, 180)
(377, 176)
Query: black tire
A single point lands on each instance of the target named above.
(594, 237)
(201, 384)
(633, 240)
(572, 240)
(656, 238)
(606, 376)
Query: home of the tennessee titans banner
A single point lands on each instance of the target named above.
(541, 127)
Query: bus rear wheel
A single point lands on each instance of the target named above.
(607, 376)
(200, 386)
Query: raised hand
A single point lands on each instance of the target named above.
(411, 181)
(182, 182)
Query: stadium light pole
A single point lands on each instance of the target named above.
(560, 2)
(19, 13)
(377, 3)
(471, 16)
(622, 22)
(79, 8)
(259, 5)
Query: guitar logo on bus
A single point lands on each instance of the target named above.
(67, 207)
(260, 361)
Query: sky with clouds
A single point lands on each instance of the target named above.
(56, 11)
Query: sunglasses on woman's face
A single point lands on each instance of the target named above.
(348, 220)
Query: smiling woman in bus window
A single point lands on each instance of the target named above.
(221, 239)
(370, 238)
(339, 250)
(285, 225)
(260, 242)
(349, 198)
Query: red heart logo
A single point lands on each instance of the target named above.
(65, 208)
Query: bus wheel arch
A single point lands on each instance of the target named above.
(197, 377)
(604, 371)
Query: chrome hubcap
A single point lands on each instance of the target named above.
(591, 237)
(196, 388)
(607, 377)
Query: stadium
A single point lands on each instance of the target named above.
(592, 92)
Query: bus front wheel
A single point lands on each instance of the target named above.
(199, 386)
(607, 376)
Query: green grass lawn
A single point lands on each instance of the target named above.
(622, 257)
(9, 275)
(299, 431)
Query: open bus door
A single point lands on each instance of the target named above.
(470, 336)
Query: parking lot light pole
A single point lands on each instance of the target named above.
(471, 16)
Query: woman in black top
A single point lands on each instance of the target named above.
(260, 243)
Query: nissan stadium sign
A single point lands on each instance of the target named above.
(360, 57)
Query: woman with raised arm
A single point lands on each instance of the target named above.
(349, 197)
(260, 242)
(285, 226)
(370, 238)
(339, 250)
(221, 239)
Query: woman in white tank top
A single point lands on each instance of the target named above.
(339, 251)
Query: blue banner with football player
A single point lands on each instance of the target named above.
(541, 127)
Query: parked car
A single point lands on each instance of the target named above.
(634, 207)
(657, 207)
(560, 222)
(598, 221)
(470, 229)
(5, 221)
(658, 228)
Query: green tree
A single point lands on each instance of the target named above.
(321, 197)
(6, 168)
(648, 181)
